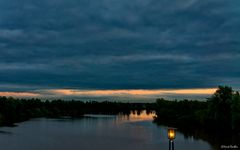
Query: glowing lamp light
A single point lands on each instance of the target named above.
(171, 133)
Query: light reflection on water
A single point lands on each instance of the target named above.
(94, 132)
(137, 116)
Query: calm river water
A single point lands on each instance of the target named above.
(94, 132)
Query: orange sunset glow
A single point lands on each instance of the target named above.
(132, 92)
(19, 94)
(137, 93)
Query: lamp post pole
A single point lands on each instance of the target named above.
(171, 145)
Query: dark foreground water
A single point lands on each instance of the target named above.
(94, 132)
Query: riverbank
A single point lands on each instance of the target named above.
(17, 110)
(220, 113)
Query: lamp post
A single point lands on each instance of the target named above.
(171, 137)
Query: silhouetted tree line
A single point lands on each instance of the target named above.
(221, 112)
(16, 110)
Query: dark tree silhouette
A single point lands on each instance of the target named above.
(220, 112)
(16, 110)
(220, 107)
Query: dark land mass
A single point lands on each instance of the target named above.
(220, 112)
(17, 110)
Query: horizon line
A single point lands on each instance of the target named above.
(115, 93)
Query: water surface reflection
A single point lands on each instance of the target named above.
(94, 132)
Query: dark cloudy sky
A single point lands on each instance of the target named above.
(66, 48)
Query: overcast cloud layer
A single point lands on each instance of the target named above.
(119, 44)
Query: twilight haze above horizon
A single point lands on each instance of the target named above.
(117, 49)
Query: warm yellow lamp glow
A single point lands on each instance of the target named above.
(171, 133)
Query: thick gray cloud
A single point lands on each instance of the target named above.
(117, 44)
